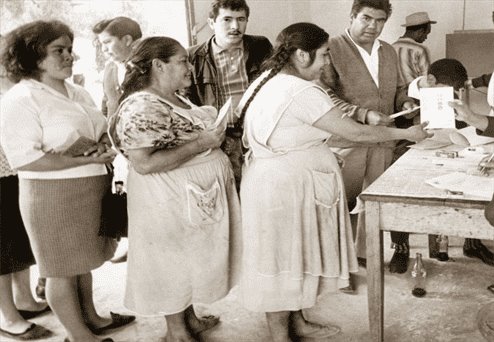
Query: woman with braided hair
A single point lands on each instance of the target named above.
(296, 227)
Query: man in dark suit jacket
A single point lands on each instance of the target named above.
(224, 66)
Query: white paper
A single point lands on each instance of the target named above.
(222, 118)
(404, 112)
(435, 108)
(473, 138)
(460, 183)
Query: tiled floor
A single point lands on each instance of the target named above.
(456, 291)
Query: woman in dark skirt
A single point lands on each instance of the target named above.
(15, 259)
(54, 136)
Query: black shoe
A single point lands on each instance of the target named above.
(122, 258)
(362, 262)
(399, 262)
(442, 256)
(118, 321)
(480, 252)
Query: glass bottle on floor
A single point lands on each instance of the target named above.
(419, 274)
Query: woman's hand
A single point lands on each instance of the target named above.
(106, 156)
(97, 149)
(211, 138)
(418, 132)
(462, 111)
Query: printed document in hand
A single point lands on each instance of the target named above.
(223, 114)
(435, 109)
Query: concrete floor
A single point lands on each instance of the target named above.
(456, 291)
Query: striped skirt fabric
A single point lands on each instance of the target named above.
(62, 218)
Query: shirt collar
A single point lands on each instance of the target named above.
(218, 50)
(32, 83)
(375, 46)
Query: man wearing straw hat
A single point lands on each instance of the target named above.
(414, 58)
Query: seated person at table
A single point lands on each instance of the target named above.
(451, 73)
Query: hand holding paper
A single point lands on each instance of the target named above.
(404, 112)
(222, 119)
(435, 108)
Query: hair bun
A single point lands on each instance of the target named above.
(131, 66)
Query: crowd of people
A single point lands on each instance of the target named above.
(260, 199)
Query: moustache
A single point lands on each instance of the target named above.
(235, 32)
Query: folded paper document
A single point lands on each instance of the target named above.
(449, 136)
(435, 108)
(461, 183)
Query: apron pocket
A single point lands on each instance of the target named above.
(326, 192)
(204, 206)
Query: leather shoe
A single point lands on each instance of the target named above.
(480, 252)
(26, 314)
(399, 262)
(33, 332)
(117, 260)
(117, 322)
(362, 262)
(105, 340)
(350, 289)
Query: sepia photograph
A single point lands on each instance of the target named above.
(247, 170)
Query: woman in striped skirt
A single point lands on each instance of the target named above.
(54, 135)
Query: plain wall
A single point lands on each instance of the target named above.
(269, 17)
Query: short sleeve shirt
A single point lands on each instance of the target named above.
(146, 120)
(35, 119)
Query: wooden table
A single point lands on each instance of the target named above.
(400, 200)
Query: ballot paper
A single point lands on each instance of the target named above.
(459, 183)
(404, 112)
(473, 139)
(435, 108)
(224, 113)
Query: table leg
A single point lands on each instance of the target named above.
(375, 271)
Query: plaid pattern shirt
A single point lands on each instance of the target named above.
(232, 76)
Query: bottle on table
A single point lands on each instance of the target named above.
(419, 274)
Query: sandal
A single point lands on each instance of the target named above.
(33, 332)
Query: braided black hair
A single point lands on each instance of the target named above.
(304, 36)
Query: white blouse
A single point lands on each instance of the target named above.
(36, 119)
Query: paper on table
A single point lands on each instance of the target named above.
(222, 118)
(438, 140)
(459, 182)
(435, 108)
(473, 138)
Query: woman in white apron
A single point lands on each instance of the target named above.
(296, 228)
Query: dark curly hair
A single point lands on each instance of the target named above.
(138, 65)
(304, 36)
(24, 47)
(383, 5)
(234, 5)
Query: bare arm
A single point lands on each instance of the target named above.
(328, 81)
(58, 161)
(152, 160)
(465, 114)
(334, 122)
